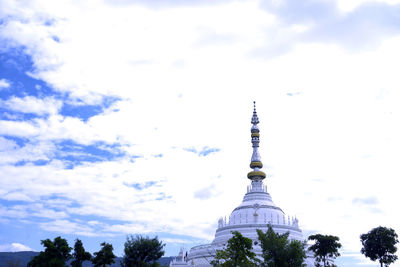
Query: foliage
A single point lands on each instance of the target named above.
(279, 251)
(237, 253)
(142, 251)
(296, 254)
(56, 253)
(79, 255)
(104, 256)
(380, 244)
(325, 249)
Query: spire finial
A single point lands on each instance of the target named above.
(254, 119)
(256, 163)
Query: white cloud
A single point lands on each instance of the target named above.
(16, 196)
(30, 104)
(343, 23)
(17, 128)
(67, 227)
(15, 212)
(350, 5)
(11, 153)
(47, 213)
(6, 144)
(179, 240)
(14, 247)
(4, 83)
(179, 90)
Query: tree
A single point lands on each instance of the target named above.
(325, 249)
(279, 251)
(104, 256)
(296, 254)
(380, 244)
(56, 253)
(238, 253)
(142, 251)
(79, 255)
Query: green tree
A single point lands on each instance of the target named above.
(104, 256)
(142, 251)
(380, 244)
(296, 254)
(79, 255)
(325, 249)
(279, 251)
(56, 253)
(238, 253)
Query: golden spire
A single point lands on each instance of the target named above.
(255, 163)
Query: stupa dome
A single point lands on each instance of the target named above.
(256, 211)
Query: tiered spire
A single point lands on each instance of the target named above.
(255, 163)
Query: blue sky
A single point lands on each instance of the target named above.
(133, 117)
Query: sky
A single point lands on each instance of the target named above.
(130, 117)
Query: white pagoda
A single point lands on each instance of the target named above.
(256, 211)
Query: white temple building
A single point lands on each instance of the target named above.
(256, 211)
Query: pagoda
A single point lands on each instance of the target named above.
(256, 211)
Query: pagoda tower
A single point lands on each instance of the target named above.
(256, 211)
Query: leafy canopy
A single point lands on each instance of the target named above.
(142, 251)
(325, 249)
(238, 253)
(104, 256)
(56, 253)
(380, 244)
(79, 255)
(279, 251)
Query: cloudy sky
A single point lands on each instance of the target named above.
(126, 117)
